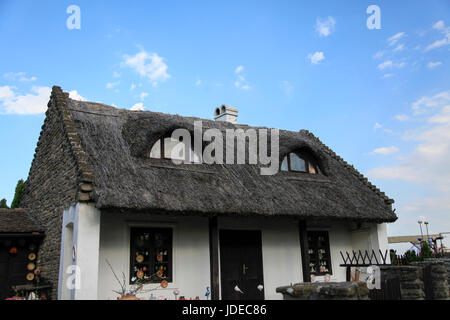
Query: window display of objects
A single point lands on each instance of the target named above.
(151, 254)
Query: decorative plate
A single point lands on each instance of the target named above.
(30, 276)
(32, 256)
(159, 257)
(31, 266)
(140, 274)
(139, 258)
(164, 284)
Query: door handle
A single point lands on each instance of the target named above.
(244, 269)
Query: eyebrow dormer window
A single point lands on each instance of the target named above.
(298, 162)
(170, 148)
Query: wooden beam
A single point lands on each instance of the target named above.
(412, 239)
(304, 250)
(214, 257)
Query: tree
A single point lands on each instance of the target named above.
(3, 204)
(20, 188)
(426, 251)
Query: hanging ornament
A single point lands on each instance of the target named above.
(13, 250)
(140, 258)
(164, 284)
(30, 276)
(31, 266)
(32, 256)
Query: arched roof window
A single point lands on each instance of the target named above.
(170, 148)
(300, 162)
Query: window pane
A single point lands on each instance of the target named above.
(173, 149)
(297, 163)
(312, 168)
(151, 255)
(156, 150)
(319, 252)
(284, 164)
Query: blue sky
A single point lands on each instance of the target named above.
(380, 98)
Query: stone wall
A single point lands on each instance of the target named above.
(325, 291)
(435, 277)
(51, 186)
(410, 277)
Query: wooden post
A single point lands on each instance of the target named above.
(304, 250)
(214, 257)
(348, 274)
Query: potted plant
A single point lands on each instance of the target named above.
(130, 294)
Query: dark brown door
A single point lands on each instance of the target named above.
(241, 265)
(12, 270)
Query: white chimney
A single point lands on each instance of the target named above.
(226, 113)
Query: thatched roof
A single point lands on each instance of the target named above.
(112, 144)
(17, 221)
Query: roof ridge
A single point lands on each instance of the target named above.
(350, 167)
(85, 187)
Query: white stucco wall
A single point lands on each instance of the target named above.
(100, 237)
(79, 248)
(190, 253)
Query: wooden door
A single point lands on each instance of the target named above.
(12, 270)
(241, 265)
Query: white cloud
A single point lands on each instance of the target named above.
(316, 57)
(30, 103)
(428, 163)
(6, 93)
(395, 38)
(143, 95)
(389, 64)
(378, 55)
(138, 107)
(241, 82)
(18, 76)
(387, 75)
(133, 86)
(287, 88)
(75, 96)
(325, 27)
(432, 65)
(385, 150)
(400, 47)
(111, 85)
(437, 44)
(377, 126)
(402, 117)
(149, 65)
(425, 103)
(116, 74)
(239, 69)
(440, 26)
